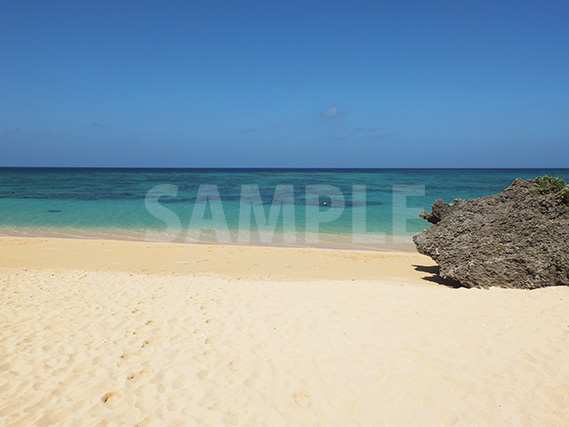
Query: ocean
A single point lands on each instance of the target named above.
(344, 208)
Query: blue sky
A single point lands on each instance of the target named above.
(284, 84)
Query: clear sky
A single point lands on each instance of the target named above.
(463, 83)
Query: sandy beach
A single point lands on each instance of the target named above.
(111, 333)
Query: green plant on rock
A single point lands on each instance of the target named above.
(564, 195)
(549, 184)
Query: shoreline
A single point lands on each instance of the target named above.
(244, 261)
(326, 241)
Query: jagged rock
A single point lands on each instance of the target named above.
(515, 239)
(440, 210)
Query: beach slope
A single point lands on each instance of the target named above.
(97, 332)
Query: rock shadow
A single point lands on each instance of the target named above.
(434, 270)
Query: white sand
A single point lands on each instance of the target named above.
(153, 341)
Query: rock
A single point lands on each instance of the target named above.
(439, 211)
(516, 239)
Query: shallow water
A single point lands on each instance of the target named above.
(333, 207)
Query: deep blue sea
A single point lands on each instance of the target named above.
(354, 208)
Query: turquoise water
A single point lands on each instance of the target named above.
(317, 207)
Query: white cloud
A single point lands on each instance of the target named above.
(333, 112)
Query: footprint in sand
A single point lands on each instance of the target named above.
(180, 381)
(301, 399)
(253, 381)
(113, 399)
(212, 340)
(124, 359)
(136, 377)
(175, 403)
(54, 417)
(235, 365)
(209, 354)
(202, 375)
(232, 418)
(148, 421)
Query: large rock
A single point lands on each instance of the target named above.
(515, 239)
